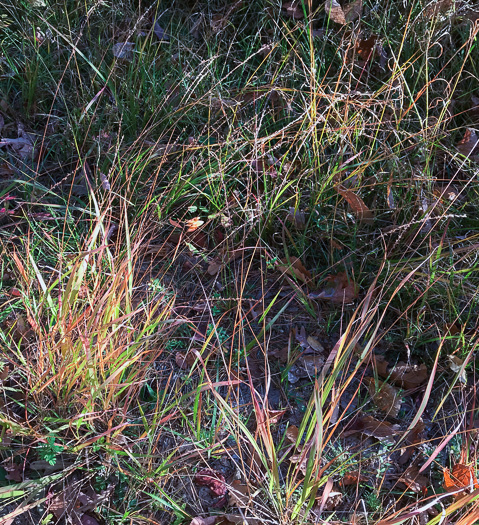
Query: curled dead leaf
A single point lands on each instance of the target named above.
(275, 416)
(301, 460)
(281, 354)
(437, 7)
(232, 519)
(456, 364)
(123, 50)
(212, 479)
(353, 11)
(214, 267)
(331, 500)
(315, 344)
(307, 366)
(365, 48)
(380, 365)
(413, 438)
(160, 33)
(297, 218)
(193, 224)
(210, 520)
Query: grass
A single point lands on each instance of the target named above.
(256, 198)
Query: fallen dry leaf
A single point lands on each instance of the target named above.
(413, 480)
(185, 360)
(261, 166)
(14, 471)
(353, 478)
(86, 519)
(309, 343)
(370, 426)
(333, 499)
(353, 10)
(380, 365)
(4, 370)
(365, 47)
(220, 21)
(385, 396)
(292, 433)
(339, 289)
(193, 224)
(468, 143)
(274, 416)
(315, 344)
(232, 519)
(212, 479)
(160, 33)
(297, 218)
(335, 12)
(359, 208)
(295, 268)
(306, 366)
(210, 520)
(414, 438)
(214, 266)
(456, 364)
(293, 9)
(461, 476)
(437, 7)
(281, 354)
(409, 376)
(23, 145)
(239, 494)
(123, 50)
(301, 460)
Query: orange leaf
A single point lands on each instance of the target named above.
(353, 478)
(461, 476)
(193, 224)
